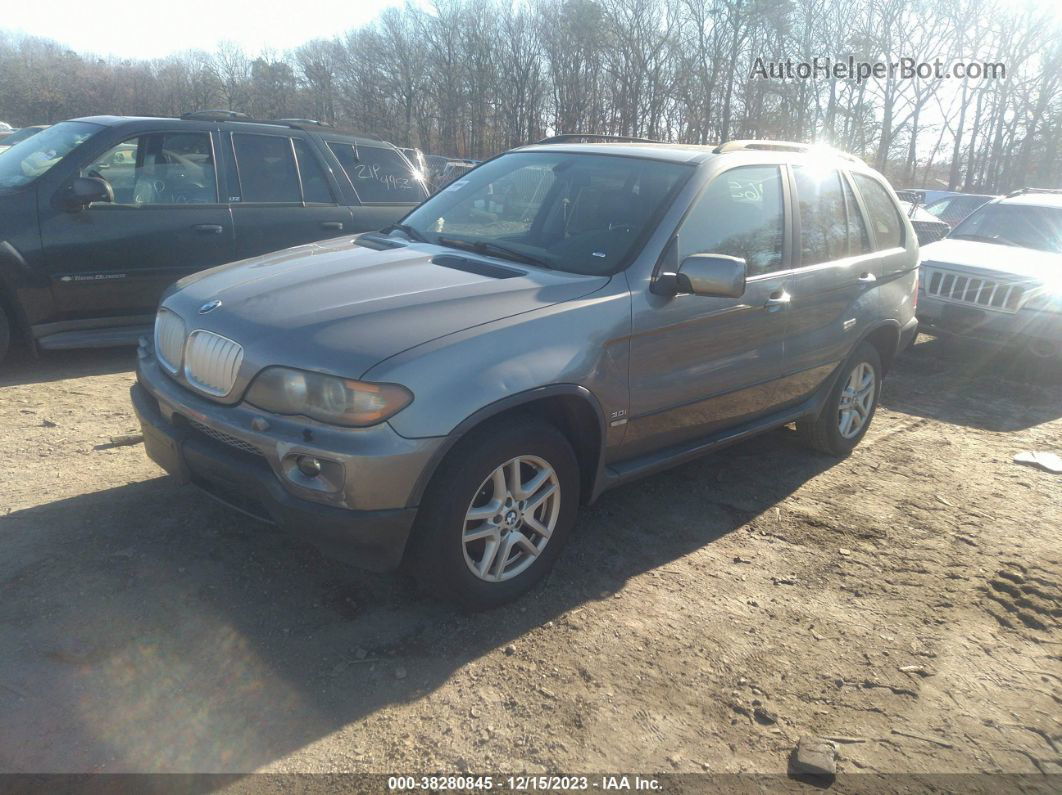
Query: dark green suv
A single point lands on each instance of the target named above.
(99, 215)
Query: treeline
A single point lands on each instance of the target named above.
(474, 77)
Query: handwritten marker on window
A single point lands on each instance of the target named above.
(599, 254)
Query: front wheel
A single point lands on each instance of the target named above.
(850, 406)
(497, 513)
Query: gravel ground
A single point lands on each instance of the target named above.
(905, 602)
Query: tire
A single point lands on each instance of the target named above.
(825, 433)
(5, 332)
(443, 561)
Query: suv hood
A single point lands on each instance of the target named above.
(341, 308)
(1025, 263)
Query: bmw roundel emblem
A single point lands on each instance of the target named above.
(209, 306)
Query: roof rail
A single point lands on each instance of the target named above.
(216, 115)
(781, 146)
(1020, 191)
(301, 122)
(586, 138)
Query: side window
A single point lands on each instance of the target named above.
(884, 217)
(159, 168)
(315, 188)
(379, 174)
(858, 239)
(739, 214)
(267, 169)
(823, 216)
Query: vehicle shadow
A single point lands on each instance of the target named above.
(21, 367)
(148, 629)
(974, 386)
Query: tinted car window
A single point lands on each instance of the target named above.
(823, 215)
(379, 174)
(161, 168)
(858, 239)
(884, 217)
(267, 169)
(740, 214)
(314, 183)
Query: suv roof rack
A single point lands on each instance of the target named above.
(586, 138)
(216, 115)
(781, 146)
(1020, 191)
(301, 122)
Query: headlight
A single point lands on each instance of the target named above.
(328, 398)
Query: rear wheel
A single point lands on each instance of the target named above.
(497, 513)
(850, 406)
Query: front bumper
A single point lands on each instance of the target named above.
(1039, 331)
(363, 516)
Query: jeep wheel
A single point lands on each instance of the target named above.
(497, 513)
(850, 407)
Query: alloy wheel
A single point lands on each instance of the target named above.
(857, 400)
(511, 518)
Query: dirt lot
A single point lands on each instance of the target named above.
(705, 619)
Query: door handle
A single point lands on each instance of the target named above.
(779, 299)
(867, 278)
(209, 229)
(332, 225)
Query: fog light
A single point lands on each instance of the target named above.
(308, 465)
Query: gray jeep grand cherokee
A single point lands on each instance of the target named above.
(559, 321)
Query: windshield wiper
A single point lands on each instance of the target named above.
(483, 247)
(407, 230)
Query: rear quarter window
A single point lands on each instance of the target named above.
(884, 217)
(378, 174)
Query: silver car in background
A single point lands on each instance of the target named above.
(997, 277)
(562, 320)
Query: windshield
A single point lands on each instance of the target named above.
(573, 212)
(21, 135)
(1014, 225)
(28, 159)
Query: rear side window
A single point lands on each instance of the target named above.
(858, 239)
(379, 175)
(823, 215)
(267, 169)
(740, 214)
(884, 217)
(315, 188)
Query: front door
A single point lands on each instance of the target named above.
(117, 258)
(282, 196)
(699, 364)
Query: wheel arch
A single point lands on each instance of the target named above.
(571, 408)
(13, 273)
(885, 336)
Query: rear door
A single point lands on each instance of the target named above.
(281, 194)
(833, 287)
(166, 221)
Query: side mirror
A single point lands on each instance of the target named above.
(715, 275)
(83, 191)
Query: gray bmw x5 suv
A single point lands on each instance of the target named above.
(561, 320)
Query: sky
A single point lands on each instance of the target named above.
(148, 30)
